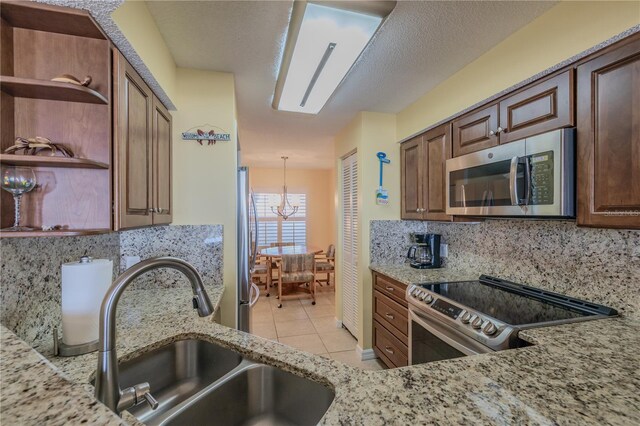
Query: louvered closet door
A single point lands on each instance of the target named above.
(350, 243)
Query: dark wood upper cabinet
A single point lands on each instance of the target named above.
(411, 178)
(143, 135)
(162, 191)
(608, 140)
(545, 106)
(437, 146)
(133, 109)
(475, 131)
(423, 177)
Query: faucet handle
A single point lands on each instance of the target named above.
(143, 391)
(134, 395)
(153, 403)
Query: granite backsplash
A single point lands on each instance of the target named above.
(30, 271)
(600, 265)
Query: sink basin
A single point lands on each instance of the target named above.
(198, 382)
(176, 372)
(258, 395)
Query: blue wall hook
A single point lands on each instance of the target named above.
(382, 197)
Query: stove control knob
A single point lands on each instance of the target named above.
(428, 298)
(489, 328)
(465, 317)
(476, 322)
(415, 292)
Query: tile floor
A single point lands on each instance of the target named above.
(310, 328)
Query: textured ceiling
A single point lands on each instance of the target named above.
(421, 44)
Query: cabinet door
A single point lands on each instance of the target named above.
(162, 189)
(411, 179)
(475, 131)
(608, 140)
(543, 107)
(437, 146)
(132, 132)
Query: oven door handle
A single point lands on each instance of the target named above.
(450, 336)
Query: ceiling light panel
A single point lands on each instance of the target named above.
(328, 43)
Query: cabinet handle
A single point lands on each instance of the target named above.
(491, 133)
(159, 210)
(389, 350)
(500, 130)
(390, 316)
(389, 288)
(152, 210)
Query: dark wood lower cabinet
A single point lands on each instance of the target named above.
(390, 321)
(608, 140)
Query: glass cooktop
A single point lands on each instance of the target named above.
(504, 303)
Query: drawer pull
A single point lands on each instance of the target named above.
(390, 316)
(389, 350)
(389, 288)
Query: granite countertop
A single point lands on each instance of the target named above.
(583, 373)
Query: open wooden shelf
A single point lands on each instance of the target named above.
(58, 233)
(54, 19)
(20, 87)
(47, 161)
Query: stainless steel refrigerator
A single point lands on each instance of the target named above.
(248, 292)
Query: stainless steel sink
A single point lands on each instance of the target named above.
(176, 372)
(257, 395)
(198, 382)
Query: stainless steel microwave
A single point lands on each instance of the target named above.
(530, 177)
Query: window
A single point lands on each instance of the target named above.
(273, 229)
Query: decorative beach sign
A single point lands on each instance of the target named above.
(206, 132)
(382, 196)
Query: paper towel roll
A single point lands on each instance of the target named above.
(84, 285)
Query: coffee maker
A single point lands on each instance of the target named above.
(425, 251)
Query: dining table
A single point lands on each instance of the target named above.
(273, 253)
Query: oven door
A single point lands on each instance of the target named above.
(432, 340)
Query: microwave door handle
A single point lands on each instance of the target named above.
(513, 181)
(527, 179)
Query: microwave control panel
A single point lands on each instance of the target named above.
(541, 178)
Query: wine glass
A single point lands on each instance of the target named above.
(17, 181)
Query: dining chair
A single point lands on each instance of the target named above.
(273, 265)
(295, 271)
(326, 264)
(261, 271)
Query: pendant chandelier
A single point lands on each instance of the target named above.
(285, 209)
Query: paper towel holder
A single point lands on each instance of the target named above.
(62, 349)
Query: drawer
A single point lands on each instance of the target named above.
(391, 288)
(391, 314)
(388, 347)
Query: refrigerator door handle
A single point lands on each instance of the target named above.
(254, 249)
(255, 288)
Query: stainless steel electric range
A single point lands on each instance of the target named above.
(455, 319)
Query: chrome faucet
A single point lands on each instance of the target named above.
(107, 384)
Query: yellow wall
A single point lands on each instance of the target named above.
(319, 187)
(368, 133)
(204, 177)
(564, 31)
(137, 24)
